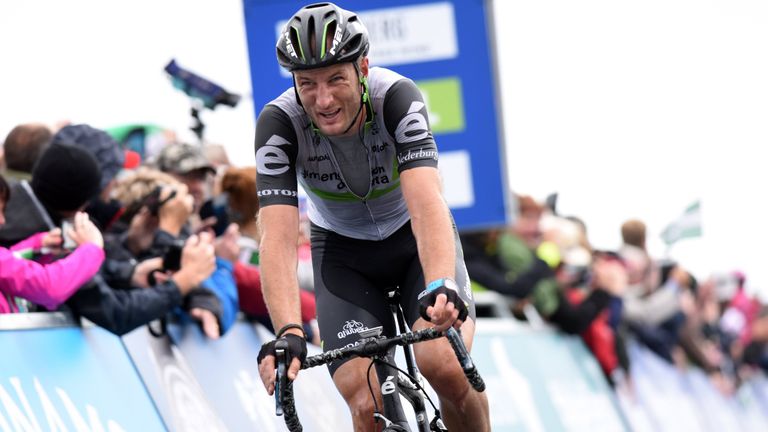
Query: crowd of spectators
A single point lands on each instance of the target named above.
(544, 261)
(124, 241)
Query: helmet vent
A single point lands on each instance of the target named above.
(295, 41)
(313, 51)
(328, 33)
(353, 43)
(316, 5)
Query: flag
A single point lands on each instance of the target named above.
(686, 226)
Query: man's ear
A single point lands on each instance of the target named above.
(364, 66)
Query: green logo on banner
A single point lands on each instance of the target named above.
(444, 103)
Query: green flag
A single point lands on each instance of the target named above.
(686, 226)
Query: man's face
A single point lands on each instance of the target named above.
(331, 96)
(196, 182)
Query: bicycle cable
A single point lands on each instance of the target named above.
(413, 380)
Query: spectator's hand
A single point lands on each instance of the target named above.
(174, 213)
(227, 246)
(198, 262)
(141, 231)
(84, 231)
(208, 322)
(142, 270)
(610, 275)
(52, 239)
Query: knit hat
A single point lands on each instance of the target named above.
(102, 146)
(180, 158)
(66, 177)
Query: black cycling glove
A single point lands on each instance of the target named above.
(297, 348)
(442, 286)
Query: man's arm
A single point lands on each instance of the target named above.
(431, 222)
(278, 262)
(432, 227)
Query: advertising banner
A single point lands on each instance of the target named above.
(541, 380)
(228, 374)
(71, 379)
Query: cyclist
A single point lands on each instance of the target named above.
(358, 140)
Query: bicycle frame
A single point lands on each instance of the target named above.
(392, 385)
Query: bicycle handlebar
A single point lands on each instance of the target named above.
(369, 347)
(467, 365)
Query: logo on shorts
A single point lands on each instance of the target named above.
(351, 327)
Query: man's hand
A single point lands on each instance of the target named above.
(440, 304)
(227, 246)
(142, 270)
(297, 353)
(208, 322)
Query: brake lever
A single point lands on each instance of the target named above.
(281, 374)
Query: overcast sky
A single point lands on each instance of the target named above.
(626, 109)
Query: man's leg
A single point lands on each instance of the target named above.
(351, 382)
(463, 408)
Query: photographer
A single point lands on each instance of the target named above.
(143, 248)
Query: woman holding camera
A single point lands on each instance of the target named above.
(48, 285)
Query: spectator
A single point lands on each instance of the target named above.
(187, 164)
(64, 180)
(47, 284)
(22, 147)
(111, 159)
(157, 209)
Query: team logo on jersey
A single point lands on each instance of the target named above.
(271, 159)
(351, 327)
(419, 154)
(413, 126)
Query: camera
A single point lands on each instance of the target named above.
(198, 87)
(172, 257)
(153, 201)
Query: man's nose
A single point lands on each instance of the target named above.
(324, 96)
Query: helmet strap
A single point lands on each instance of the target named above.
(364, 99)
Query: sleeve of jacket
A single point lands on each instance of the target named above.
(51, 284)
(121, 311)
(32, 242)
(222, 284)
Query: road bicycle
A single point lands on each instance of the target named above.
(393, 381)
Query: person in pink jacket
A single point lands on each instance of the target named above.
(51, 284)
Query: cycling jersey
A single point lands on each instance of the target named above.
(396, 137)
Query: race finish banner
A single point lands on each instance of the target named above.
(444, 47)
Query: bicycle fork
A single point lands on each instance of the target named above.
(389, 385)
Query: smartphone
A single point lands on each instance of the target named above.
(67, 242)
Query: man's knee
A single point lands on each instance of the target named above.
(438, 363)
(352, 384)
